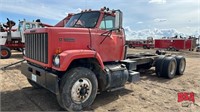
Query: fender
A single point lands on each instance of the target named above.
(68, 56)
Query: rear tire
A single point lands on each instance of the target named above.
(169, 67)
(173, 49)
(78, 89)
(159, 65)
(168, 49)
(144, 47)
(130, 46)
(5, 52)
(181, 64)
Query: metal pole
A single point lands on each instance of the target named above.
(3, 68)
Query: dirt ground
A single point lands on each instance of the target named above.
(151, 94)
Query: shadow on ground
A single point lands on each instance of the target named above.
(151, 76)
(30, 99)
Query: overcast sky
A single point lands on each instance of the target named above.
(141, 17)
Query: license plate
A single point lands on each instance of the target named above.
(34, 77)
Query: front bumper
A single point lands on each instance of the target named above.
(40, 76)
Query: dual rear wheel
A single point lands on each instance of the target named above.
(170, 66)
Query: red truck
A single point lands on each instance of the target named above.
(175, 44)
(145, 44)
(87, 56)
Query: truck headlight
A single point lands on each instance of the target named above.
(56, 60)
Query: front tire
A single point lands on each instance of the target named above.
(78, 89)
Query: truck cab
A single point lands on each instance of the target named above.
(90, 31)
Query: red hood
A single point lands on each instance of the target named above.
(62, 38)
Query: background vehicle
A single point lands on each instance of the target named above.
(87, 56)
(176, 44)
(146, 44)
(13, 39)
(198, 49)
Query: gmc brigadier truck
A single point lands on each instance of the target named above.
(86, 56)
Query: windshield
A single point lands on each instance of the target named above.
(84, 20)
(20, 27)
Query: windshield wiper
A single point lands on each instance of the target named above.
(77, 19)
(109, 32)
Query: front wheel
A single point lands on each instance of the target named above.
(5, 52)
(78, 89)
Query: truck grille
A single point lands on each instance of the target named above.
(36, 47)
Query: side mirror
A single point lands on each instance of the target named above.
(118, 19)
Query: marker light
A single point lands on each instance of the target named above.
(58, 50)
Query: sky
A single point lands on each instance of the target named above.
(142, 18)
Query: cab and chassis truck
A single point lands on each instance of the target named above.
(88, 56)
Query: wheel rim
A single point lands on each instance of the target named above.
(182, 65)
(172, 67)
(81, 90)
(4, 53)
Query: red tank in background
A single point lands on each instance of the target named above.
(176, 44)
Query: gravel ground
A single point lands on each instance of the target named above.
(151, 94)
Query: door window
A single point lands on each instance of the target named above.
(28, 26)
(20, 27)
(33, 26)
(107, 23)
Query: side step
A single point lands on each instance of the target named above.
(133, 76)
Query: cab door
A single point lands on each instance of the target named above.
(109, 42)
